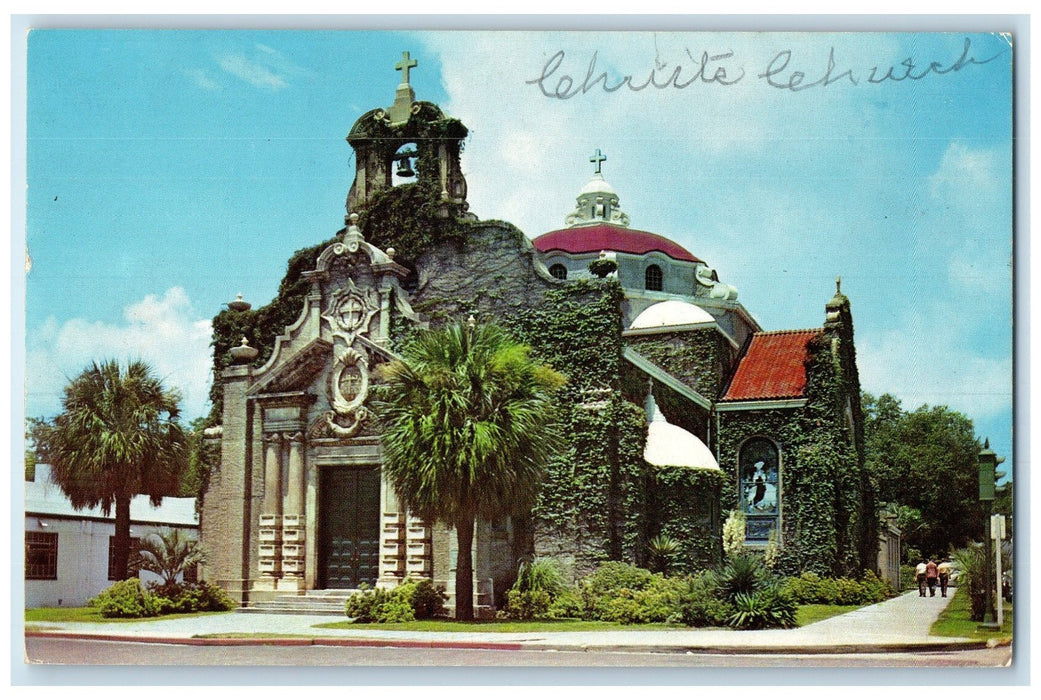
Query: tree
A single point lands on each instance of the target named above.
(167, 554)
(468, 426)
(117, 436)
(925, 462)
(35, 432)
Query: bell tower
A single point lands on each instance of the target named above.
(412, 139)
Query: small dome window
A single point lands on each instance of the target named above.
(558, 271)
(653, 278)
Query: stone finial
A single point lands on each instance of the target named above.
(244, 353)
(352, 237)
(239, 304)
(838, 285)
(391, 252)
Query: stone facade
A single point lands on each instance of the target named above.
(298, 501)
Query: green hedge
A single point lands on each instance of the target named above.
(413, 599)
(130, 599)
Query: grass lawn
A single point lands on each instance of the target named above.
(94, 615)
(955, 622)
(808, 614)
(502, 626)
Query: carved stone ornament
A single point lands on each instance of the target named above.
(350, 311)
(349, 382)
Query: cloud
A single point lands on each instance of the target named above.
(258, 72)
(926, 365)
(885, 185)
(164, 331)
(202, 78)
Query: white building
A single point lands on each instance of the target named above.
(68, 552)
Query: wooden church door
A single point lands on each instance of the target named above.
(349, 538)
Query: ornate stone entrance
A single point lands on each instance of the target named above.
(349, 527)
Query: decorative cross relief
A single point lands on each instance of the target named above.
(348, 314)
(350, 311)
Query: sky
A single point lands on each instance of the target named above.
(168, 171)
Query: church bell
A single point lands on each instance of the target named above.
(405, 167)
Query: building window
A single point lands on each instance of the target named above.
(135, 545)
(759, 492)
(558, 271)
(653, 278)
(41, 556)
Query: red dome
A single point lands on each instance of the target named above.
(597, 237)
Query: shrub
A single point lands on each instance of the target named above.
(379, 605)
(191, 597)
(803, 588)
(876, 589)
(734, 533)
(540, 574)
(850, 592)
(828, 591)
(607, 582)
(427, 601)
(656, 601)
(539, 583)
(908, 578)
(972, 568)
(772, 553)
(700, 604)
(742, 573)
(127, 599)
(413, 599)
(764, 609)
(811, 588)
(566, 604)
(526, 605)
(663, 551)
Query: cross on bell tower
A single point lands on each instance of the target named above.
(597, 159)
(404, 65)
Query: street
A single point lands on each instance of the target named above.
(107, 653)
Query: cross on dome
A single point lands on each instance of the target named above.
(405, 64)
(597, 159)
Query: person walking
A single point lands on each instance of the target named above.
(919, 574)
(932, 574)
(944, 571)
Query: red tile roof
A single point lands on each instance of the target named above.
(773, 366)
(597, 237)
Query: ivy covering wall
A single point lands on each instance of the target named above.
(685, 506)
(827, 509)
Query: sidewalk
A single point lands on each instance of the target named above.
(899, 624)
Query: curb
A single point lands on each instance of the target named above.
(879, 648)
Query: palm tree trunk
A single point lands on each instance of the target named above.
(121, 545)
(464, 570)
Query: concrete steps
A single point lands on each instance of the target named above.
(327, 602)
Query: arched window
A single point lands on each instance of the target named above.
(759, 471)
(558, 271)
(653, 278)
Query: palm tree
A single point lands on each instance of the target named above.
(167, 554)
(117, 436)
(467, 430)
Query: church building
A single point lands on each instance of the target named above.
(679, 407)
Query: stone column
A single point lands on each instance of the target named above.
(269, 558)
(226, 517)
(293, 521)
(420, 561)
